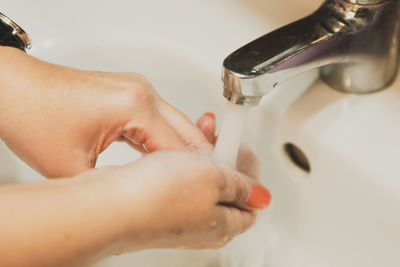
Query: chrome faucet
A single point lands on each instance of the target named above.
(354, 43)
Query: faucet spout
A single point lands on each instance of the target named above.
(355, 46)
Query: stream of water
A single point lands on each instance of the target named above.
(229, 138)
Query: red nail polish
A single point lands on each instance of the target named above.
(210, 114)
(259, 198)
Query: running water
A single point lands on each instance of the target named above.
(250, 249)
(228, 143)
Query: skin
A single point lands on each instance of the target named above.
(76, 114)
(113, 210)
(59, 120)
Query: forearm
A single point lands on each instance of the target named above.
(38, 108)
(22, 104)
(13, 83)
(61, 222)
(19, 77)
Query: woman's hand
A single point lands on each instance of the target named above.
(59, 119)
(166, 199)
(182, 200)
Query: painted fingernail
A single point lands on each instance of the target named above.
(210, 114)
(259, 198)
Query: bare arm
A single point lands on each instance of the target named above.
(60, 222)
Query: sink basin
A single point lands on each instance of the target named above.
(341, 210)
(344, 210)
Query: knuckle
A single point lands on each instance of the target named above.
(141, 96)
(134, 89)
(138, 95)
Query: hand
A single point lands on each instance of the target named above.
(181, 200)
(166, 199)
(59, 119)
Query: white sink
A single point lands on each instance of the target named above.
(344, 212)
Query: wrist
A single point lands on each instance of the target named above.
(139, 222)
(120, 204)
(11, 60)
(97, 191)
(76, 219)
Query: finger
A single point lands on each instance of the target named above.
(154, 134)
(240, 191)
(234, 189)
(206, 124)
(233, 222)
(260, 197)
(248, 162)
(184, 127)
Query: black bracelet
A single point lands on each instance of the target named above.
(13, 35)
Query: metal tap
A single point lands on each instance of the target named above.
(354, 44)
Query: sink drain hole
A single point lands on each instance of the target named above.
(297, 157)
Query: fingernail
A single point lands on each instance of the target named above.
(210, 114)
(259, 198)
